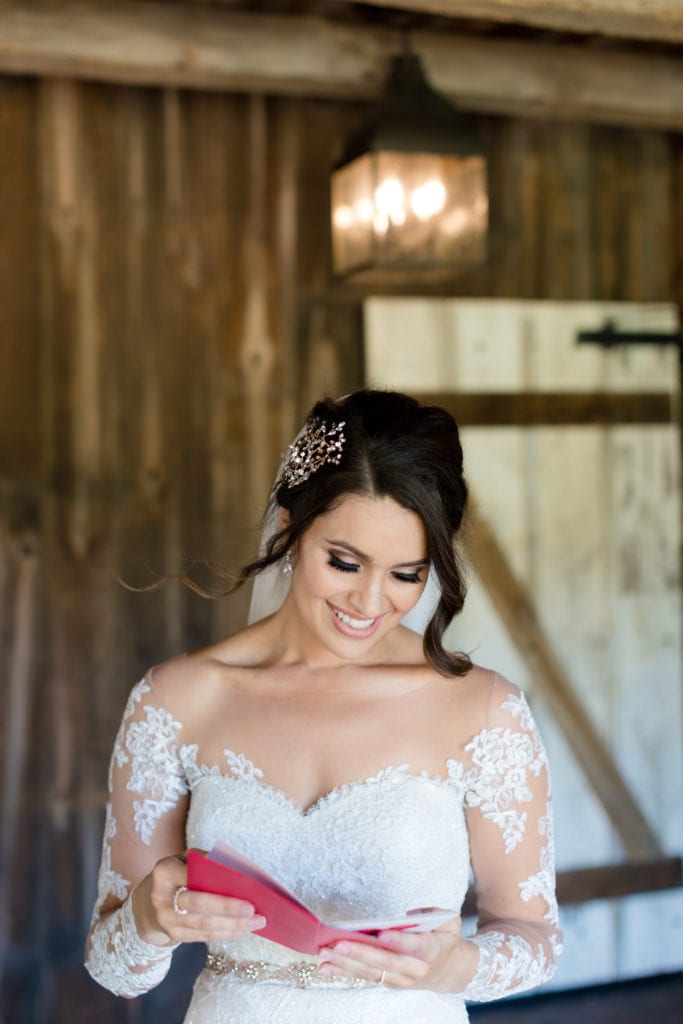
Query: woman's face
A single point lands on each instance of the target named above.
(358, 570)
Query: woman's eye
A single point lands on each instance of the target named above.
(337, 563)
(407, 577)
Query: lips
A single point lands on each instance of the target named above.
(351, 626)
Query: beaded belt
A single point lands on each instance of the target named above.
(301, 973)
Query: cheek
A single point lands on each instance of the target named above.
(319, 580)
(404, 596)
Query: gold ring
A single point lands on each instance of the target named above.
(176, 895)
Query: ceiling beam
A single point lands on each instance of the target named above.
(190, 46)
(635, 19)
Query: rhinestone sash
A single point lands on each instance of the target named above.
(300, 973)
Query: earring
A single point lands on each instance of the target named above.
(287, 566)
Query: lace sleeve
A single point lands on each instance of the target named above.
(145, 821)
(511, 840)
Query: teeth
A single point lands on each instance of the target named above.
(354, 623)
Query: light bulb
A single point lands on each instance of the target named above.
(364, 210)
(389, 196)
(428, 199)
(343, 217)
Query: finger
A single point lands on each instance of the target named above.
(199, 928)
(423, 944)
(333, 963)
(196, 902)
(361, 960)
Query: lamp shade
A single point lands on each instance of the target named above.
(410, 190)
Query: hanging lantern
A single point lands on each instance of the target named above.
(410, 192)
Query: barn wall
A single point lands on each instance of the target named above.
(166, 315)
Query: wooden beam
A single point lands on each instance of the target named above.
(619, 880)
(535, 409)
(608, 882)
(636, 19)
(191, 46)
(511, 601)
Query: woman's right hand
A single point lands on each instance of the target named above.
(208, 918)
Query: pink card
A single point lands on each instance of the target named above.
(289, 922)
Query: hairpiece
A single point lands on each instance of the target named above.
(318, 445)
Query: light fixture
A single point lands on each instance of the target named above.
(409, 192)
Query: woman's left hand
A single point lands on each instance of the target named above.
(425, 960)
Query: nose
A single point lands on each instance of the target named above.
(368, 595)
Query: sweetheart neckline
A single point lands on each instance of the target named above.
(243, 769)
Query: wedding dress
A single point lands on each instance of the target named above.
(400, 839)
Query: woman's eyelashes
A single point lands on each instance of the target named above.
(407, 577)
(342, 566)
(338, 563)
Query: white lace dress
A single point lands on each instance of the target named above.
(378, 846)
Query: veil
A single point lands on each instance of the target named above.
(270, 588)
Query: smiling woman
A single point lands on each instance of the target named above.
(362, 765)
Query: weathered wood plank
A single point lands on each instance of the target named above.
(535, 409)
(656, 19)
(516, 611)
(257, 346)
(157, 44)
(20, 375)
(608, 882)
(619, 880)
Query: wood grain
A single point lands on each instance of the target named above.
(190, 46)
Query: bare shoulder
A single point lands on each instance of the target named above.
(479, 698)
(247, 648)
(194, 677)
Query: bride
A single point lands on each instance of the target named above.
(363, 765)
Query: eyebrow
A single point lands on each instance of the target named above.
(366, 558)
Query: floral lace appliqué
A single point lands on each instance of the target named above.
(543, 882)
(497, 781)
(154, 769)
(119, 756)
(507, 963)
(120, 960)
(241, 767)
(109, 882)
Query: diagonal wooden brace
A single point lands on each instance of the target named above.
(514, 606)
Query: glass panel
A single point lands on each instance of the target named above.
(409, 210)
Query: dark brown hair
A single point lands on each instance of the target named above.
(399, 449)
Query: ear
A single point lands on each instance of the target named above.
(283, 518)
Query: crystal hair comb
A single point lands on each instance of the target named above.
(318, 445)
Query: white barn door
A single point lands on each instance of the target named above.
(589, 519)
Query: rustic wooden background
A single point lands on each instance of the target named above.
(166, 316)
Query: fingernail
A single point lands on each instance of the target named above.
(325, 969)
(325, 955)
(256, 923)
(245, 910)
(342, 947)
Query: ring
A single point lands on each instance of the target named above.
(176, 906)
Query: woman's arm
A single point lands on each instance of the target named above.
(145, 822)
(509, 820)
(134, 926)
